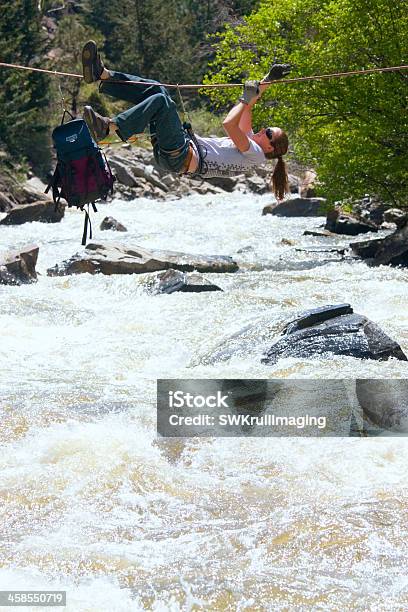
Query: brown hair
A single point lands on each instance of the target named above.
(279, 180)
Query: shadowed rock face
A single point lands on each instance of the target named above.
(342, 223)
(333, 329)
(18, 267)
(118, 259)
(392, 250)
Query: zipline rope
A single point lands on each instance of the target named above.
(219, 85)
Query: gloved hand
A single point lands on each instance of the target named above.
(277, 71)
(251, 91)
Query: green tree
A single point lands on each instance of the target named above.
(23, 95)
(354, 130)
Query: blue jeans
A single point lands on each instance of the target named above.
(153, 107)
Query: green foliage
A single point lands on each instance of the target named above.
(23, 95)
(206, 123)
(354, 130)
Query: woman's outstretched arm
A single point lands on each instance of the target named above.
(238, 122)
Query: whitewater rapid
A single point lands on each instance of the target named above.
(93, 503)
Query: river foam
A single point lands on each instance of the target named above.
(92, 502)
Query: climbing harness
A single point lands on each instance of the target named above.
(188, 129)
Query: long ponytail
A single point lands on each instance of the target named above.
(280, 182)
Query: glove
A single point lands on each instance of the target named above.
(251, 91)
(277, 71)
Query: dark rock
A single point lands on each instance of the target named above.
(317, 315)
(333, 329)
(226, 183)
(44, 211)
(112, 258)
(18, 266)
(109, 223)
(319, 233)
(6, 203)
(257, 184)
(123, 173)
(174, 280)
(246, 249)
(323, 249)
(339, 222)
(391, 250)
(397, 216)
(297, 207)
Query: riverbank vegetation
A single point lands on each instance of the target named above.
(353, 130)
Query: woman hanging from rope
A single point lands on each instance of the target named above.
(173, 149)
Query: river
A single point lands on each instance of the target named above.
(90, 500)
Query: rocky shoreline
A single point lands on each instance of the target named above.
(325, 330)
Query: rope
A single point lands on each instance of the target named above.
(220, 85)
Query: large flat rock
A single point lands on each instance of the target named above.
(113, 258)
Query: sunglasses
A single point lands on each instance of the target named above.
(269, 134)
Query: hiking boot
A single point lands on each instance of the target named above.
(98, 125)
(92, 65)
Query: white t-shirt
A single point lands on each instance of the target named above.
(222, 158)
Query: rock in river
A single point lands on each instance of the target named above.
(43, 210)
(339, 222)
(113, 258)
(174, 280)
(333, 329)
(391, 250)
(18, 267)
(297, 207)
(110, 223)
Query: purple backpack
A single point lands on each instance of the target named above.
(82, 175)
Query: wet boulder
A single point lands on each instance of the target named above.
(340, 222)
(43, 210)
(333, 329)
(172, 281)
(109, 223)
(297, 207)
(397, 216)
(18, 266)
(391, 250)
(113, 258)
